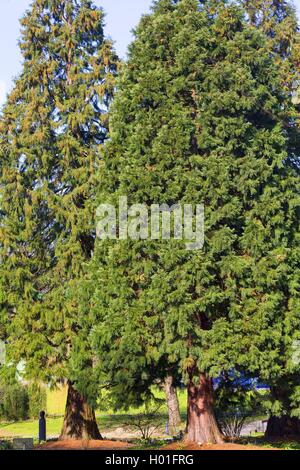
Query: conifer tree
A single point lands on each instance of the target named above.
(277, 19)
(198, 118)
(52, 131)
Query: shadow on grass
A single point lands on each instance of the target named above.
(111, 422)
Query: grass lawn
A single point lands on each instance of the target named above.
(259, 440)
(112, 421)
(107, 420)
(30, 428)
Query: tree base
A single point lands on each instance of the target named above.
(80, 420)
(202, 427)
(282, 427)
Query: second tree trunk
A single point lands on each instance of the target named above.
(172, 403)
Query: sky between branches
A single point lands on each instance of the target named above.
(122, 17)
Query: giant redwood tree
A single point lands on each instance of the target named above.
(53, 127)
(199, 117)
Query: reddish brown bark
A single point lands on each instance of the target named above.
(79, 421)
(202, 426)
(172, 403)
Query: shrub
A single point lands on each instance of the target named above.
(236, 400)
(149, 420)
(14, 403)
(5, 445)
(231, 423)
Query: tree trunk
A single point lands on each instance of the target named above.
(202, 426)
(172, 403)
(282, 427)
(79, 421)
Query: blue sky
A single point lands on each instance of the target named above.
(122, 17)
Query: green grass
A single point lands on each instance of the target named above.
(107, 420)
(287, 445)
(56, 400)
(30, 428)
(259, 440)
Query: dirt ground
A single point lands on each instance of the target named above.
(117, 445)
(225, 446)
(84, 445)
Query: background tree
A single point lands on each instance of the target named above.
(170, 390)
(52, 131)
(198, 118)
(278, 21)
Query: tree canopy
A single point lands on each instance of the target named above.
(199, 117)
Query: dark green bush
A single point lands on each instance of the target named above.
(5, 445)
(14, 403)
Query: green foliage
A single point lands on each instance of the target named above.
(276, 359)
(200, 117)
(237, 398)
(277, 19)
(236, 401)
(37, 400)
(205, 113)
(14, 403)
(5, 445)
(14, 396)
